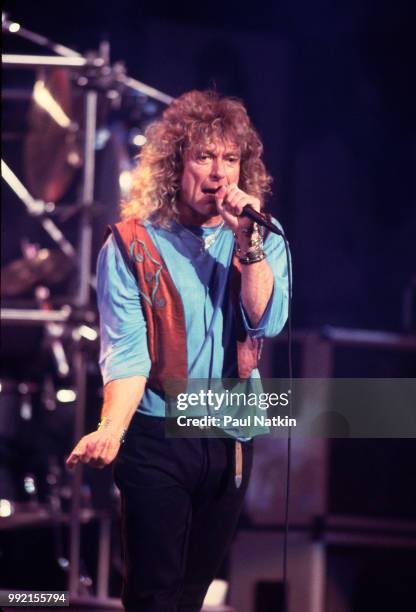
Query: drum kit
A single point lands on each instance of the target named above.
(71, 102)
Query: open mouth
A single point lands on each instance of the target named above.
(210, 190)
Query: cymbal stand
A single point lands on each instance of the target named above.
(37, 209)
(15, 28)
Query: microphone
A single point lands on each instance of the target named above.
(248, 211)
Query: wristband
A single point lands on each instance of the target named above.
(254, 252)
(252, 257)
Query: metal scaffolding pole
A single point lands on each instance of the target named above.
(82, 301)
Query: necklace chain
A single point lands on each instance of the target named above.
(206, 243)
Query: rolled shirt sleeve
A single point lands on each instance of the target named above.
(124, 350)
(275, 314)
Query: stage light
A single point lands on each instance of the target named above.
(6, 508)
(101, 138)
(125, 180)
(66, 395)
(26, 409)
(62, 562)
(88, 333)
(29, 484)
(74, 159)
(139, 140)
(14, 27)
(216, 593)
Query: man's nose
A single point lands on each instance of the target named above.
(218, 169)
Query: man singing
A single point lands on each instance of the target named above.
(187, 288)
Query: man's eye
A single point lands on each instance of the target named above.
(203, 157)
(233, 160)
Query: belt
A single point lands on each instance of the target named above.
(238, 476)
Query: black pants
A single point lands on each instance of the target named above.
(180, 507)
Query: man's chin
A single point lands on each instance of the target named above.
(209, 209)
(211, 206)
(201, 213)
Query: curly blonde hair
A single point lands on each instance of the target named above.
(196, 118)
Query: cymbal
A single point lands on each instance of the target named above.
(47, 267)
(53, 146)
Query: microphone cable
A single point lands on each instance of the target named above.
(289, 436)
(267, 222)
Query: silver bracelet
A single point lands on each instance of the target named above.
(252, 257)
(254, 252)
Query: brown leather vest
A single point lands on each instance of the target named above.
(163, 310)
